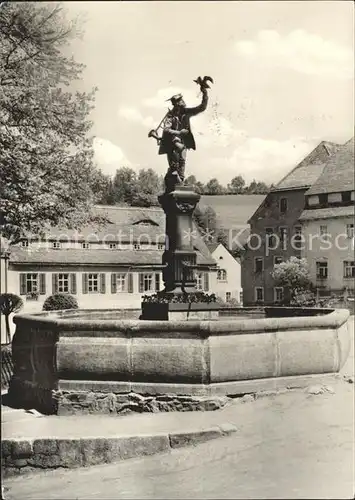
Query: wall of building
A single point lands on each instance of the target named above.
(334, 250)
(232, 284)
(270, 216)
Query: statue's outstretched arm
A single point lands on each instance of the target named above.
(201, 107)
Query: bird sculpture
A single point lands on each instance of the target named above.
(203, 82)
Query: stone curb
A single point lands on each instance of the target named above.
(26, 455)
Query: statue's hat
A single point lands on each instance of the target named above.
(175, 98)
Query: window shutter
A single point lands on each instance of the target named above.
(130, 283)
(54, 283)
(85, 283)
(141, 283)
(157, 282)
(23, 284)
(113, 283)
(206, 282)
(73, 283)
(102, 283)
(42, 283)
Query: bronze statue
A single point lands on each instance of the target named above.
(177, 136)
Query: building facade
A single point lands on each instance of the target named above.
(328, 225)
(103, 267)
(276, 229)
(228, 285)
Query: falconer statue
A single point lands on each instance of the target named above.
(177, 136)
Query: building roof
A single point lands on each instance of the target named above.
(124, 225)
(309, 169)
(327, 213)
(338, 172)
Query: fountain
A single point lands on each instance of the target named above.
(179, 355)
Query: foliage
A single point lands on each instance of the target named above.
(148, 186)
(47, 172)
(9, 303)
(186, 298)
(60, 301)
(293, 275)
(236, 185)
(214, 187)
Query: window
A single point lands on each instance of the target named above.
(112, 246)
(350, 230)
(283, 235)
(283, 205)
(259, 294)
(161, 246)
(32, 283)
(85, 245)
(136, 246)
(258, 264)
(221, 275)
(269, 237)
(64, 283)
(322, 270)
(228, 296)
(202, 281)
(277, 260)
(94, 283)
(346, 196)
(278, 294)
(349, 269)
(298, 238)
(56, 244)
(121, 282)
(323, 230)
(24, 243)
(149, 282)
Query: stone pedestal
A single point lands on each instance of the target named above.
(179, 256)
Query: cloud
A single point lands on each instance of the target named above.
(135, 116)
(301, 51)
(109, 157)
(261, 159)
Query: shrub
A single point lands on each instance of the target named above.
(9, 303)
(60, 301)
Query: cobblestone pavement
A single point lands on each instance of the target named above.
(298, 444)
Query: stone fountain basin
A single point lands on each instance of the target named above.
(60, 359)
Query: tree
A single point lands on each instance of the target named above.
(294, 276)
(148, 186)
(257, 188)
(207, 222)
(9, 303)
(46, 155)
(236, 185)
(124, 185)
(214, 187)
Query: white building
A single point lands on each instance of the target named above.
(228, 285)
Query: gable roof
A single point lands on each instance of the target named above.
(338, 172)
(124, 225)
(309, 169)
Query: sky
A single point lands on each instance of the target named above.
(283, 80)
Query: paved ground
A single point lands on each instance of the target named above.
(294, 445)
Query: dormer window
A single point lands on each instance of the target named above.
(136, 246)
(323, 199)
(112, 246)
(283, 205)
(24, 243)
(56, 244)
(85, 245)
